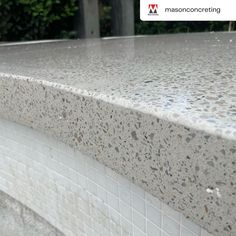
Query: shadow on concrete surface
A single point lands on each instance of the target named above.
(18, 220)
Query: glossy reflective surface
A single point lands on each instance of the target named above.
(186, 78)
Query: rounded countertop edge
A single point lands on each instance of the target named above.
(126, 104)
(167, 159)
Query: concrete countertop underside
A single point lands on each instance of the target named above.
(159, 110)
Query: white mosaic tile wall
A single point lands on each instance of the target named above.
(78, 195)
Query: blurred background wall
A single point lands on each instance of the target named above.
(50, 19)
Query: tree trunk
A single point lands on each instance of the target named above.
(231, 25)
(122, 17)
(87, 19)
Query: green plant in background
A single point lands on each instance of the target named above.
(161, 27)
(105, 20)
(36, 19)
(41, 19)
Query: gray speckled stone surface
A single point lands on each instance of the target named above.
(159, 110)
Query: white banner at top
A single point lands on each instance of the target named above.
(188, 10)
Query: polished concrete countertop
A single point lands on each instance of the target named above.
(159, 110)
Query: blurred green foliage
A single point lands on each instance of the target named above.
(36, 19)
(156, 27)
(105, 20)
(41, 19)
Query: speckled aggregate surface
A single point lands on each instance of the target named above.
(187, 79)
(158, 110)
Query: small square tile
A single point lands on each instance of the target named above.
(113, 201)
(89, 231)
(170, 212)
(101, 180)
(137, 190)
(165, 234)
(102, 194)
(125, 210)
(170, 226)
(191, 226)
(152, 230)
(97, 227)
(124, 182)
(81, 181)
(115, 229)
(115, 216)
(152, 200)
(91, 174)
(105, 232)
(92, 187)
(185, 232)
(138, 204)
(125, 194)
(126, 226)
(154, 215)
(84, 195)
(77, 187)
(83, 205)
(138, 232)
(139, 221)
(111, 186)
